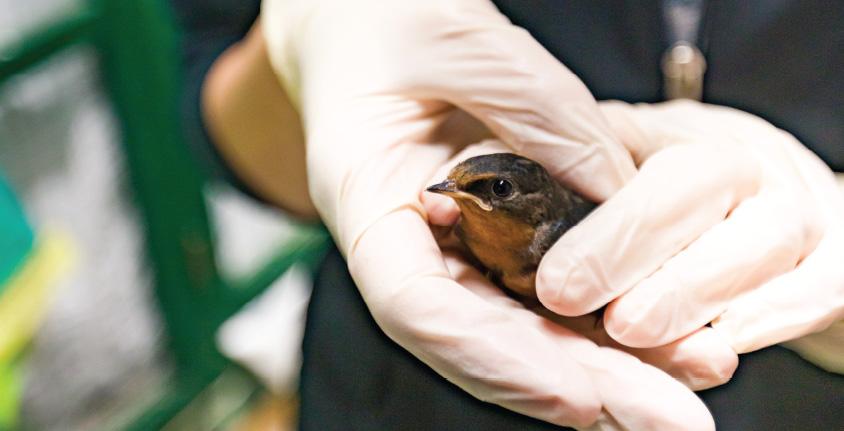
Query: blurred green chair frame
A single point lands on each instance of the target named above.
(137, 45)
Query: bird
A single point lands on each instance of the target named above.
(511, 212)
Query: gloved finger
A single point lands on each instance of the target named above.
(763, 237)
(645, 129)
(787, 306)
(634, 395)
(505, 78)
(700, 360)
(679, 193)
(477, 345)
(627, 125)
(442, 210)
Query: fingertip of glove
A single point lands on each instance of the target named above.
(623, 322)
(578, 414)
(553, 289)
(724, 359)
(718, 372)
(691, 415)
(708, 362)
(565, 284)
(441, 210)
(701, 360)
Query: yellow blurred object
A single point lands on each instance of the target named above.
(27, 294)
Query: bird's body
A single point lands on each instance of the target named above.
(512, 211)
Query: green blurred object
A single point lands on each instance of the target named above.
(10, 389)
(16, 240)
(137, 43)
(16, 236)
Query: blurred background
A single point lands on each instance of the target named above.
(138, 292)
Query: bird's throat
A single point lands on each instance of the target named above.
(501, 244)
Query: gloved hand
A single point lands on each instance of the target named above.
(729, 220)
(379, 85)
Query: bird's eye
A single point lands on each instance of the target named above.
(502, 188)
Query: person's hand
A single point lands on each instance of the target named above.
(729, 220)
(379, 85)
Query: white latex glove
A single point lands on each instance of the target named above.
(729, 220)
(826, 348)
(378, 83)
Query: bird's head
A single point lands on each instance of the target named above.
(500, 184)
(512, 211)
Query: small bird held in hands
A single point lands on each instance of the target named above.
(512, 212)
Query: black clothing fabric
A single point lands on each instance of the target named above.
(208, 29)
(782, 60)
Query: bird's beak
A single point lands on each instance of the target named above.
(447, 187)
